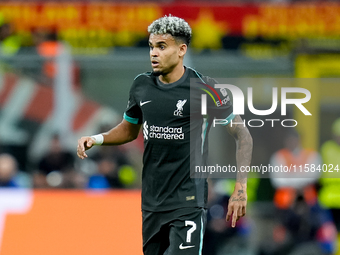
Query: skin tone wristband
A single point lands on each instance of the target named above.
(99, 139)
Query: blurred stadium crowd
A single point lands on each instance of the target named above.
(298, 216)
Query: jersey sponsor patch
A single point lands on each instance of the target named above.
(224, 92)
(167, 133)
(146, 130)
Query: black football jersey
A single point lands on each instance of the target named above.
(175, 136)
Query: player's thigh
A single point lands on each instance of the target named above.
(156, 246)
(155, 234)
(186, 233)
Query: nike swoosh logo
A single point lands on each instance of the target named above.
(181, 247)
(143, 103)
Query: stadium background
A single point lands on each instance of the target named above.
(66, 69)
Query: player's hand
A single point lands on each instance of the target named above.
(237, 206)
(84, 143)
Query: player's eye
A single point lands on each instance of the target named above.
(162, 47)
(151, 47)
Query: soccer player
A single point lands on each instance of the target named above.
(175, 138)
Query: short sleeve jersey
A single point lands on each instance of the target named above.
(175, 136)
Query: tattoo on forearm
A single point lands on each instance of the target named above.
(244, 147)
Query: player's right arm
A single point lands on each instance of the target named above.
(124, 132)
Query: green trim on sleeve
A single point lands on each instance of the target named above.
(130, 119)
(228, 119)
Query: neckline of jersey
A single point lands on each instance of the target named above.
(174, 84)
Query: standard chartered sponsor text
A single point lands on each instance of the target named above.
(166, 132)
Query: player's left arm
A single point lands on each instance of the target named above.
(244, 147)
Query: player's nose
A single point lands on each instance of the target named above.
(154, 52)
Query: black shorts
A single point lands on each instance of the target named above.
(174, 232)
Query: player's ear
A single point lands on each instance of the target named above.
(182, 49)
